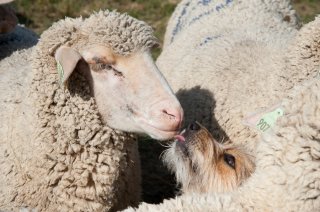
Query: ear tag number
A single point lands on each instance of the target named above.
(269, 119)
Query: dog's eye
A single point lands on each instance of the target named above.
(230, 160)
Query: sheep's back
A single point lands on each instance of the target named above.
(16, 126)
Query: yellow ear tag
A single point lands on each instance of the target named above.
(268, 120)
(60, 73)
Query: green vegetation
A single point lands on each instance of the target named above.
(307, 9)
(40, 14)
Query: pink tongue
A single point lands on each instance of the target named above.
(180, 138)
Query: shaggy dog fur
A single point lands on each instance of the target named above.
(287, 165)
(202, 165)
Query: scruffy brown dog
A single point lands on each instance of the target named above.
(203, 165)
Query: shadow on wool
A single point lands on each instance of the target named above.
(157, 183)
(198, 105)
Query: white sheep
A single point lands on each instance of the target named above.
(66, 106)
(235, 59)
(287, 174)
(240, 57)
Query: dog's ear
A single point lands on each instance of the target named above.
(67, 59)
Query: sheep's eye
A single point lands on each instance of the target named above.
(117, 73)
(107, 67)
(101, 67)
(230, 160)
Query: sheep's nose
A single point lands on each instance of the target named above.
(166, 115)
(173, 117)
(194, 126)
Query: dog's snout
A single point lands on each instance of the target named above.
(194, 126)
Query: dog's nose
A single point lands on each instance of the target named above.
(194, 126)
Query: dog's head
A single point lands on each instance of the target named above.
(202, 165)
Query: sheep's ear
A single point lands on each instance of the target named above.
(67, 59)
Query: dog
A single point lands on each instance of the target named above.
(203, 165)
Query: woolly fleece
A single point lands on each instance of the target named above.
(247, 57)
(235, 58)
(57, 155)
(287, 174)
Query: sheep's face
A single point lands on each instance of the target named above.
(203, 165)
(131, 93)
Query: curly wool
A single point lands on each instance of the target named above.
(190, 12)
(287, 174)
(74, 162)
(242, 55)
(254, 63)
(122, 33)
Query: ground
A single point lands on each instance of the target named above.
(40, 14)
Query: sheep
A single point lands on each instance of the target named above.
(69, 111)
(219, 52)
(190, 12)
(287, 157)
(247, 65)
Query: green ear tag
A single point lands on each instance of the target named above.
(269, 119)
(60, 72)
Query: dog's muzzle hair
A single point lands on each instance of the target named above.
(202, 165)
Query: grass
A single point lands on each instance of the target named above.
(40, 14)
(307, 9)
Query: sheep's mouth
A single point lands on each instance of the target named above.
(157, 133)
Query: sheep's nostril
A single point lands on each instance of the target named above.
(194, 126)
(168, 114)
(173, 117)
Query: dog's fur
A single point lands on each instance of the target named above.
(203, 165)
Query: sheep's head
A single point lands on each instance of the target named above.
(131, 93)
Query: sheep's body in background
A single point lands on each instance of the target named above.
(287, 173)
(229, 58)
(236, 60)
